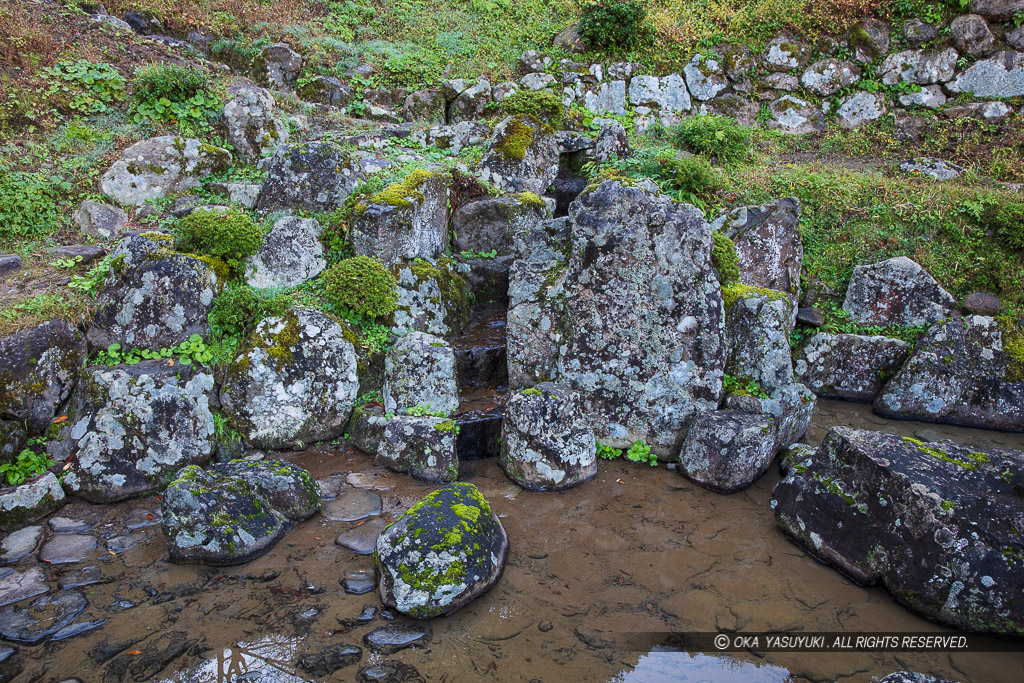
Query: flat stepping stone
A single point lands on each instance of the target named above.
(69, 525)
(68, 548)
(78, 629)
(18, 586)
(374, 481)
(397, 636)
(41, 618)
(119, 544)
(140, 519)
(359, 582)
(362, 539)
(19, 544)
(352, 505)
(86, 576)
(6, 651)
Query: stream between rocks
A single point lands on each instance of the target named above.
(638, 550)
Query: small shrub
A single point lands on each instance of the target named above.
(28, 205)
(717, 136)
(178, 94)
(615, 25)
(687, 179)
(723, 258)
(542, 105)
(1008, 221)
(361, 285)
(230, 235)
(239, 307)
(176, 83)
(85, 87)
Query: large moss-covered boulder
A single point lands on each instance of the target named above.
(133, 426)
(627, 310)
(294, 381)
(235, 511)
(546, 442)
(936, 524)
(153, 297)
(522, 156)
(38, 369)
(315, 176)
(406, 220)
(423, 447)
(153, 168)
(968, 372)
(443, 553)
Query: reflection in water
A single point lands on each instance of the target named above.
(673, 666)
(266, 659)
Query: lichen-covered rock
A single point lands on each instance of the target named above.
(1001, 76)
(152, 168)
(859, 108)
(522, 156)
(793, 115)
(420, 371)
(290, 254)
(13, 439)
(454, 137)
(407, 220)
(828, 76)
(236, 511)
(757, 326)
(101, 220)
(316, 176)
(791, 406)
(727, 450)
(28, 502)
(849, 366)
(917, 32)
(279, 65)
(326, 90)
(968, 372)
(606, 98)
(896, 291)
(422, 447)
(929, 97)
(970, 33)
(533, 61)
(768, 245)
(250, 124)
(626, 309)
(425, 106)
(153, 297)
(443, 553)
(366, 427)
(705, 77)
(294, 381)
(612, 142)
(782, 81)
(470, 103)
(38, 369)
(934, 523)
(547, 443)
(938, 169)
(784, 54)
(736, 107)
(133, 426)
(432, 298)
(918, 66)
(667, 93)
(536, 81)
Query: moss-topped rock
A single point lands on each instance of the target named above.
(294, 382)
(406, 220)
(522, 155)
(152, 168)
(235, 511)
(443, 553)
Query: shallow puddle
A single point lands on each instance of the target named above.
(637, 551)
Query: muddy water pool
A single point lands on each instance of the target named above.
(638, 550)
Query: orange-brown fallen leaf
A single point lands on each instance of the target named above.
(62, 418)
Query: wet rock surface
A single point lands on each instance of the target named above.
(849, 366)
(41, 618)
(422, 447)
(352, 505)
(932, 522)
(423, 572)
(896, 291)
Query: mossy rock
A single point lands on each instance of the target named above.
(443, 553)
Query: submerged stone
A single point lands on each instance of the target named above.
(41, 618)
(443, 553)
(359, 582)
(396, 636)
(68, 548)
(362, 538)
(328, 660)
(18, 586)
(19, 544)
(352, 505)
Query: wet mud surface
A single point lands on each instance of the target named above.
(638, 550)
